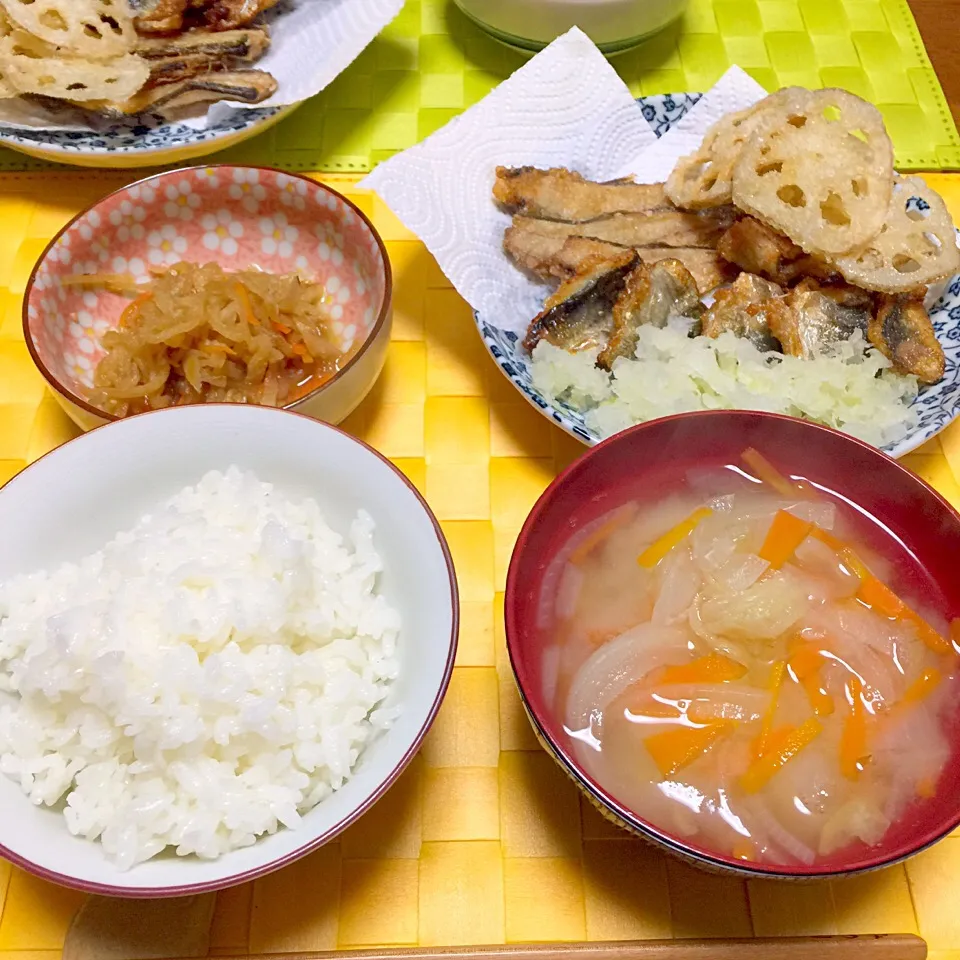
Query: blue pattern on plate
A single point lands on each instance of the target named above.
(936, 406)
(144, 134)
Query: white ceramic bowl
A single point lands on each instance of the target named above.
(613, 25)
(70, 502)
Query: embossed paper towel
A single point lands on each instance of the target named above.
(565, 107)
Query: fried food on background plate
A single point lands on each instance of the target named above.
(124, 57)
(243, 86)
(171, 16)
(187, 55)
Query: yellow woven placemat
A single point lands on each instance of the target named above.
(483, 840)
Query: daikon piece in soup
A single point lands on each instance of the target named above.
(751, 666)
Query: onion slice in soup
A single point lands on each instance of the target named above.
(619, 664)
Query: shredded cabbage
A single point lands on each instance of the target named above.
(850, 387)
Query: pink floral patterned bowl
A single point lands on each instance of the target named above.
(238, 217)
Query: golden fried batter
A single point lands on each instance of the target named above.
(561, 194)
(652, 294)
(902, 332)
(735, 309)
(579, 315)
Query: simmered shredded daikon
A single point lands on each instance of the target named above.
(197, 333)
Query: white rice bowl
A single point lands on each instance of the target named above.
(350, 717)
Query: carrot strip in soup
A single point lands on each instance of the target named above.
(936, 642)
(853, 737)
(744, 850)
(713, 668)
(675, 749)
(770, 475)
(672, 538)
(805, 664)
(922, 687)
(926, 788)
(786, 533)
(766, 727)
(878, 596)
(766, 766)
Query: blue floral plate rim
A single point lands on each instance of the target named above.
(143, 135)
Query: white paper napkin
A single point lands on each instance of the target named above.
(565, 107)
(312, 42)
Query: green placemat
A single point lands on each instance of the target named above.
(431, 63)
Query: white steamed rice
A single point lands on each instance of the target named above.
(208, 676)
(850, 387)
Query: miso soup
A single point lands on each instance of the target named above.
(751, 665)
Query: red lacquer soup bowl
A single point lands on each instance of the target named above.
(656, 458)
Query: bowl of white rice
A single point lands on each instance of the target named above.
(224, 632)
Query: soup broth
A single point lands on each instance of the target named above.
(751, 665)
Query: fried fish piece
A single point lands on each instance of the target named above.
(560, 194)
(652, 294)
(902, 331)
(579, 315)
(759, 249)
(158, 16)
(708, 270)
(743, 308)
(551, 257)
(230, 14)
(669, 228)
(245, 44)
(816, 317)
(200, 51)
(169, 16)
(245, 86)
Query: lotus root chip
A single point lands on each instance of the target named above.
(66, 78)
(98, 29)
(819, 168)
(703, 179)
(916, 245)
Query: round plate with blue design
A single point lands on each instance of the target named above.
(146, 141)
(936, 406)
